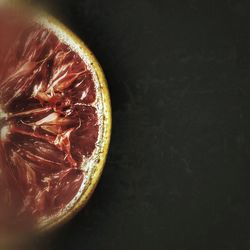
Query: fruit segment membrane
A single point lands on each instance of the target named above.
(48, 119)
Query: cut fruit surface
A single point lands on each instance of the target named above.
(52, 118)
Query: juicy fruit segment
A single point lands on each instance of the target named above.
(48, 120)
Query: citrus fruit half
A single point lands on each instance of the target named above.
(55, 120)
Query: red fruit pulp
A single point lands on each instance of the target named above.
(48, 120)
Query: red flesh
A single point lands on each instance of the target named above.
(49, 123)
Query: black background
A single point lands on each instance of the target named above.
(177, 175)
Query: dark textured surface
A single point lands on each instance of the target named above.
(177, 176)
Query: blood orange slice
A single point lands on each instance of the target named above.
(55, 119)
